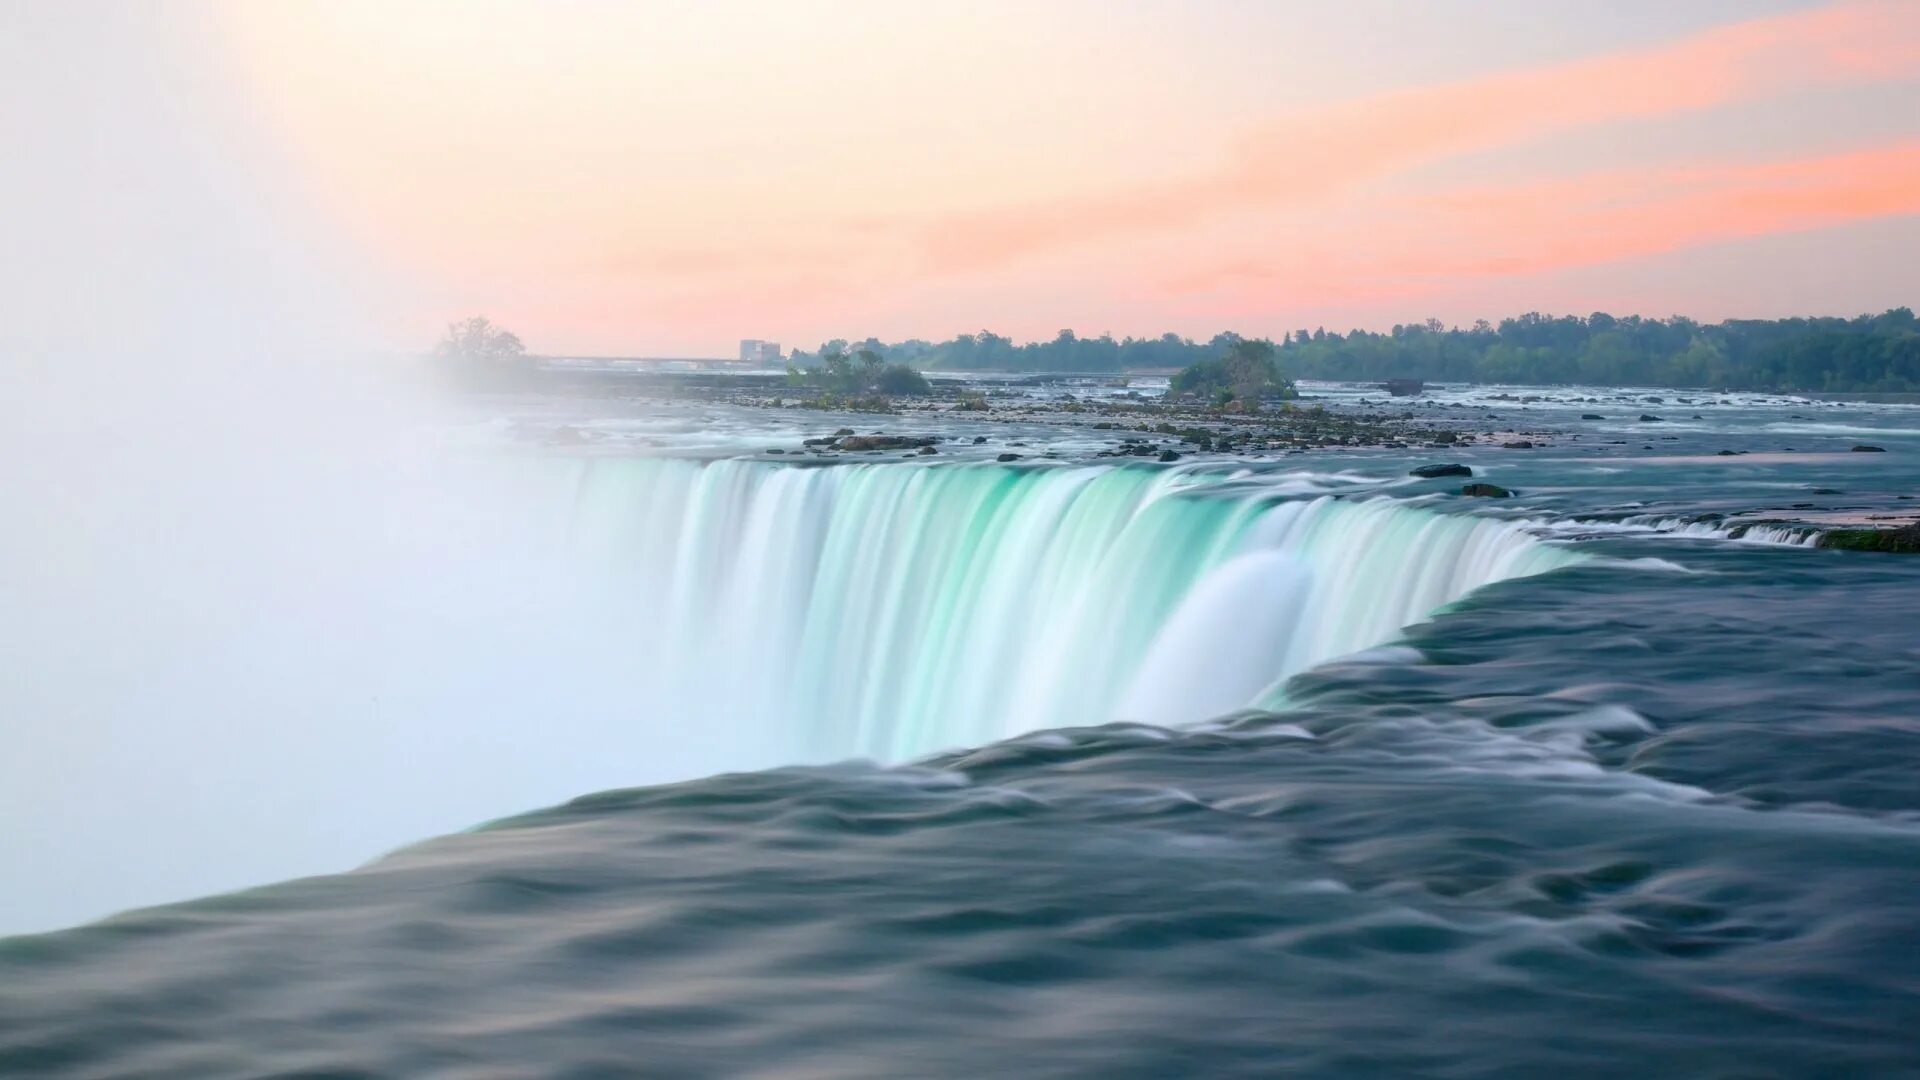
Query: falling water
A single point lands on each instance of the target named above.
(891, 611)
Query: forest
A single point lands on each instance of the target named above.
(1869, 353)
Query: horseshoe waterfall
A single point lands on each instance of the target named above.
(888, 611)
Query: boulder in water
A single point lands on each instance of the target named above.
(1169, 455)
(1428, 472)
(1008, 457)
(1517, 444)
(1591, 416)
(1649, 418)
(1486, 491)
(885, 442)
(1863, 448)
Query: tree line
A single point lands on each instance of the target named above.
(1869, 353)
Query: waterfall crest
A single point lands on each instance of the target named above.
(890, 611)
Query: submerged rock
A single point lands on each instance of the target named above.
(1428, 472)
(1649, 418)
(1591, 416)
(1008, 457)
(1486, 491)
(1905, 539)
(1517, 444)
(1169, 455)
(1863, 448)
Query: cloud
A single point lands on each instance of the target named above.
(1317, 155)
(1514, 230)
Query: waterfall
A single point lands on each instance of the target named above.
(890, 610)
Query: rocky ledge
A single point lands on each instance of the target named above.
(1904, 539)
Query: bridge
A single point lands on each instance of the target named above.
(641, 363)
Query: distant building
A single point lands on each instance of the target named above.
(755, 351)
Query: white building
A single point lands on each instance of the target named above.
(755, 351)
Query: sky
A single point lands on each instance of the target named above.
(667, 178)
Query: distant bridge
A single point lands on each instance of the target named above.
(640, 363)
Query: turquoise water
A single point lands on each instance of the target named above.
(1226, 768)
(889, 611)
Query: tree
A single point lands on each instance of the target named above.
(478, 341)
(482, 354)
(899, 380)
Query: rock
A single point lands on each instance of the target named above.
(1863, 448)
(1169, 455)
(1727, 453)
(1518, 444)
(1428, 472)
(1591, 416)
(885, 442)
(775, 450)
(1445, 437)
(928, 450)
(1486, 491)
(1649, 418)
(1008, 457)
(843, 432)
(978, 439)
(1905, 539)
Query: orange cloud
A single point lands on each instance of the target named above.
(1633, 215)
(1555, 225)
(1317, 154)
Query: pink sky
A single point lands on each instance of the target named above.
(668, 178)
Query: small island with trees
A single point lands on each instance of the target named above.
(862, 374)
(1244, 378)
